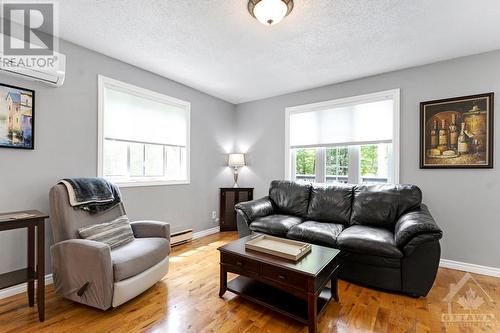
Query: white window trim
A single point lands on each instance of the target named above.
(106, 82)
(393, 94)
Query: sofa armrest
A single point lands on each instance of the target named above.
(415, 227)
(145, 229)
(83, 272)
(243, 224)
(256, 208)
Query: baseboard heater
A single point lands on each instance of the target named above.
(181, 237)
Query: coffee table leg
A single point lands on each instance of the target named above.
(335, 289)
(223, 281)
(312, 310)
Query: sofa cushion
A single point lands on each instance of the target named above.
(321, 233)
(369, 240)
(330, 203)
(137, 256)
(381, 205)
(291, 198)
(275, 224)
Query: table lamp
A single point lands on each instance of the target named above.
(236, 161)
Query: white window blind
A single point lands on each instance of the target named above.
(365, 123)
(134, 118)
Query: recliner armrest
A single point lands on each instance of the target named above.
(83, 271)
(256, 208)
(416, 224)
(145, 229)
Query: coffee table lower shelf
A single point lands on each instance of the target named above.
(276, 299)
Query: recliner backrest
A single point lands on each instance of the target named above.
(330, 203)
(381, 205)
(290, 197)
(66, 220)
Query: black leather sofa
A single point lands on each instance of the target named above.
(387, 237)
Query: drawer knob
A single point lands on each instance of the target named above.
(282, 277)
(239, 263)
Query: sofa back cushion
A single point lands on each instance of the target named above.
(289, 197)
(381, 205)
(330, 203)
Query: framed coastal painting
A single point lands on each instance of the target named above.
(17, 117)
(457, 132)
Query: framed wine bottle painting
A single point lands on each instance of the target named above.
(457, 132)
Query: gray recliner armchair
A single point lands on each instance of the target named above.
(92, 273)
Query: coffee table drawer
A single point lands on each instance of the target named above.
(240, 264)
(286, 278)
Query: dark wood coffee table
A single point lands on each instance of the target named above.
(295, 289)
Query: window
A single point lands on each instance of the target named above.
(375, 163)
(305, 166)
(337, 164)
(143, 136)
(351, 140)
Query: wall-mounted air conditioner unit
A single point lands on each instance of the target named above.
(47, 69)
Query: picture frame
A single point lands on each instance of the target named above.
(457, 133)
(17, 117)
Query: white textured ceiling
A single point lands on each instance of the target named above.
(217, 47)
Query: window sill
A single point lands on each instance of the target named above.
(122, 184)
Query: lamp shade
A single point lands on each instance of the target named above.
(236, 160)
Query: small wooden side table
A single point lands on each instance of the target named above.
(230, 196)
(29, 219)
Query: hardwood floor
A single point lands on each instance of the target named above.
(186, 300)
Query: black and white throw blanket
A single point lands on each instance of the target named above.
(94, 195)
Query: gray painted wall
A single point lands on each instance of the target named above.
(465, 203)
(66, 146)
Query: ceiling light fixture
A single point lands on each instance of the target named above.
(270, 12)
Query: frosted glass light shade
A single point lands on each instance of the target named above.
(270, 12)
(236, 160)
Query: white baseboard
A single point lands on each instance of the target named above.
(472, 268)
(207, 232)
(21, 288)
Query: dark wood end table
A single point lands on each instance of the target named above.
(33, 219)
(230, 196)
(295, 289)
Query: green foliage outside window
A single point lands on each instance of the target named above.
(369, 160)
(305, 161)
(337, 161)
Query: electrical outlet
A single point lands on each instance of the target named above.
(214, 215)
